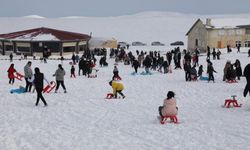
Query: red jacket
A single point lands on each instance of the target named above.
(11, 71)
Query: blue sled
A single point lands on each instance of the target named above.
(204, 78)
(146, 73)
(18, 91)
(134, 73)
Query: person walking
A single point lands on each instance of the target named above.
(28, 75)
(246, 73)
(59, 74)
(38, 83)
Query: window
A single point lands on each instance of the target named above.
(23, 49)
(231, 32)
(247, 31)
(247, 43)
(237, 43)
(221, 32)
(239, 32)
(196, 42)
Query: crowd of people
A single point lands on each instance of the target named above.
(150, 61)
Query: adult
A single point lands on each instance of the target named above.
(225, 70)
(136, 65)
(11, 57)
(28, 75)
(246, 73)
(60, 73)
(73, 58)
(238, 69)
(38, 83)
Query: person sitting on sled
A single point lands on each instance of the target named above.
(117, 88)
(169, 106)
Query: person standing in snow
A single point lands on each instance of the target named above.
(218, 53)
(60, 73)
(73, 59)
(225, 70)
(214, 54)
(72, 72)
(11, 57)
(28, 75)
(210, 71)
(38, 83)
(11, 75)
(116, 74)
(246, 73)
(169, 107)
(200, 71)
(238, 69)
(136, 65)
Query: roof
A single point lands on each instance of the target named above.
(225, 23)
(193, 26)
(45, 34)
(233, 22)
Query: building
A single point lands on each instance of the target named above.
(40, 39)
(219, 33)
(101, 42)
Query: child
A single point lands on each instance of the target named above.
(169, 106)
(72, 71)
(200, 71)
(117, 88)
(116, 74)
(11, 75)
(210, 71)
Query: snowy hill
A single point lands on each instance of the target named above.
(83, 119)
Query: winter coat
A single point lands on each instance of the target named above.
(117, 87)
(169, 107)
(200, 71)
(210, 69)
(27, 71)
(38, 81)
(11, 71)
(247, 71)
(136, 64)
(238, 69)
(59, 74)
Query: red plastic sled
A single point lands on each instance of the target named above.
(49, 87)
(233, 101)
(173, 119)
(109, 95)
(19, 76)
(231, 81)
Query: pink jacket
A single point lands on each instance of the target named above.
(169, 107)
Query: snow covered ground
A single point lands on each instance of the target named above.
(83, 119)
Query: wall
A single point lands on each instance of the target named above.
(199, 32)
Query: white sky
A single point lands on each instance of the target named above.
(101, 8)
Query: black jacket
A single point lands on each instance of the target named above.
(38, 81)
(247, 71)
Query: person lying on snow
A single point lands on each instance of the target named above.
(169, 106)
(117, 88)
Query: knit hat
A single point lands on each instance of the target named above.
(170, 94)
